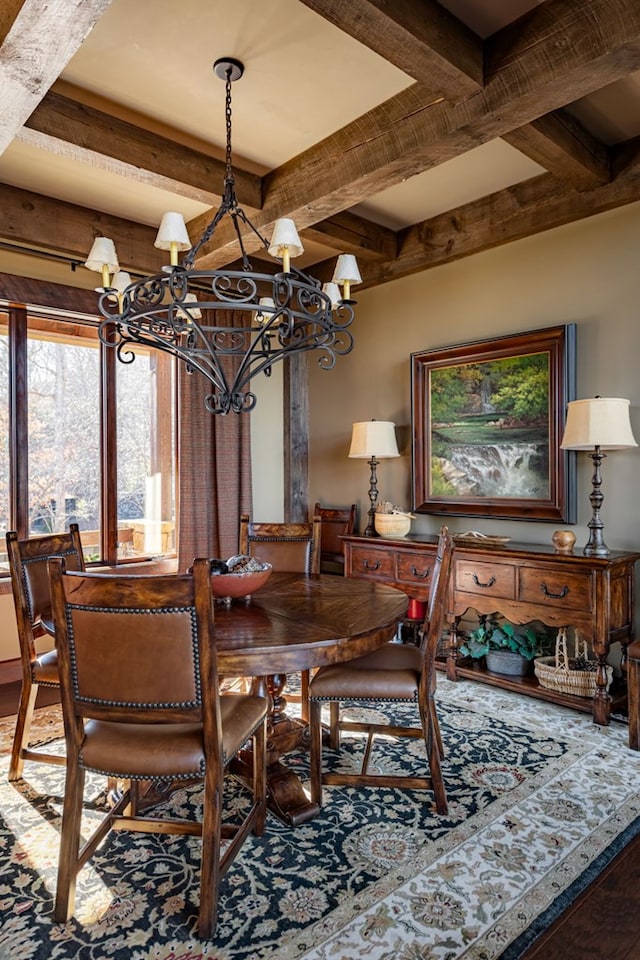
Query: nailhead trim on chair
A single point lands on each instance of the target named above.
(136, 610)
(121, 775)
(412, 699)
(311, 543)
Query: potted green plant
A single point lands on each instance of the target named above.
(508, 648)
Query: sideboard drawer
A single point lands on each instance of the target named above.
(415, 568)
(572, 590)
(486, 579)
(367, 562)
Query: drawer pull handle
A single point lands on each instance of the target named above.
(420, 575)
(370, 566)
(490, 582)
(554, 596)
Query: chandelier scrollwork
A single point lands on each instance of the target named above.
(229, 325)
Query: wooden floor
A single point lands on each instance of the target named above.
(602, 924)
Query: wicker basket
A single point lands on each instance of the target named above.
(558, 673)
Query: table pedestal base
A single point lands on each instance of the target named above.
(286, 797)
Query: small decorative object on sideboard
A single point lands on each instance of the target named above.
(390, 521)
(563, 541)
(575, 675)
(508, 648)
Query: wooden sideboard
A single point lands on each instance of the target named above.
(524, 582)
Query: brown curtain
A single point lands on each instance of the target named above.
(214, 466)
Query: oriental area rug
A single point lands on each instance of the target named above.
(540, 800)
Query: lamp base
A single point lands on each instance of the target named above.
(593, 549)
(596, 547)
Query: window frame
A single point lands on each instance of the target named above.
(22, 317)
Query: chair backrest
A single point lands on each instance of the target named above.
(335, 522)
(28, 561)
(438, 599)
(135, 649)
(288, 547)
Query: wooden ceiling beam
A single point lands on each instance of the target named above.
(555, 57)
(347, 233)
(563, 147)
(42, 222)
(539, 204)
(39, 40)
(419, 37)
(82, 133)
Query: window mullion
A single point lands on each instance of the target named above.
(109, 459)
(19, 422)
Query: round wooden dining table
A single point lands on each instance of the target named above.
(294, 623)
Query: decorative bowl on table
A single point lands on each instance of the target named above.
(238, 578)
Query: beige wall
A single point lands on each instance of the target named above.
(586, 273)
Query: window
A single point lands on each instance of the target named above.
(85, 438)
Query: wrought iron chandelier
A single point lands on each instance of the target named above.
(274, 316)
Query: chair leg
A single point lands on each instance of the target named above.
(210, 856)
(435, 726)
(433, 756)
(315, 750)
(28, 695)
(260, 777)
(304, 695)
(69, 842)
(633, 692)
(334, 724)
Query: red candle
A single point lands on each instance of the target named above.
(417, 609)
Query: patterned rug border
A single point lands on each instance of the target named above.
(542, 922)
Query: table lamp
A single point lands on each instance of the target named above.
(597, 424)
(374, 440)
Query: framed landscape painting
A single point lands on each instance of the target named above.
(487, 423)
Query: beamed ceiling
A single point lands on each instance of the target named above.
(410, 133)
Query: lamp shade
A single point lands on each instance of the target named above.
(191, 313)
(172, 230)
(285, 238)
(102, 254)
(266, 309)
(598, 422)
(121, 281)
(346, 270)
(332, 290)
(374, 438)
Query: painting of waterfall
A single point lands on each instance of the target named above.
(487, 418)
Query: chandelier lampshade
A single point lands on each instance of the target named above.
(206, 316)
(103, 259)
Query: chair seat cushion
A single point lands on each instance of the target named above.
(45, 668)
(150, 751)
(390, 673)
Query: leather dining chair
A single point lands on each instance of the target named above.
(291, 548)
(30, 584)
(140, 702)
(395, 672)
(335, 521)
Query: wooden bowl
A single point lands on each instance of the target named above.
(233, 586)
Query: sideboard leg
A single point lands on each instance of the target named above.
(601, 698)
